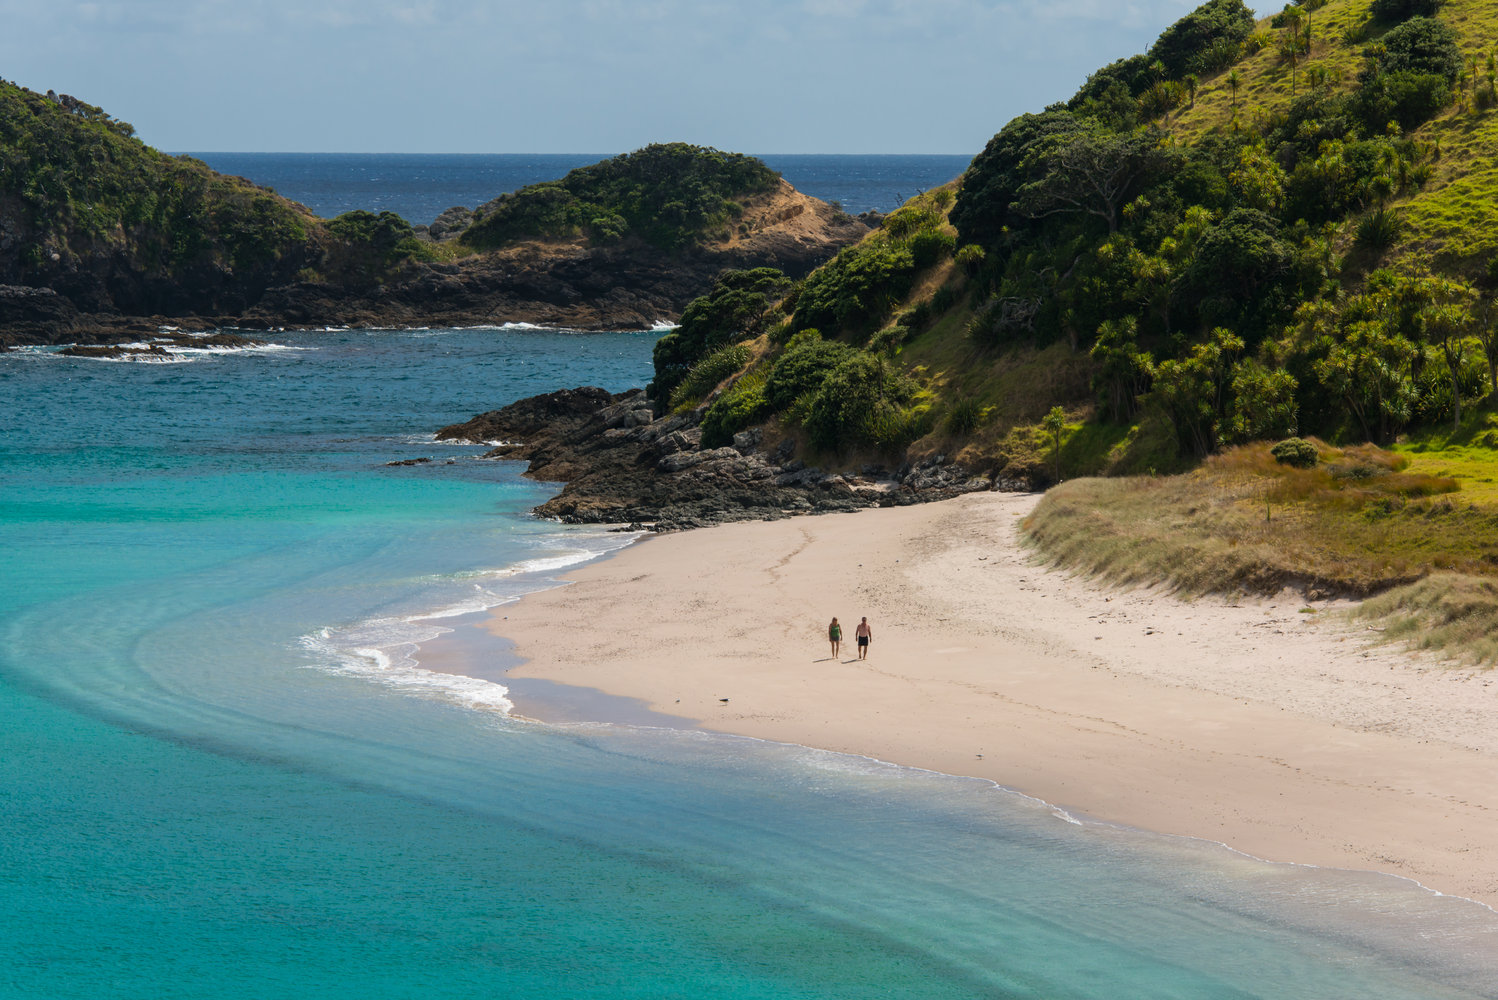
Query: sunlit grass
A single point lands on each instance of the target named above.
(1358, 523)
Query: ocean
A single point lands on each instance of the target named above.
(418, 187)
(225, 772)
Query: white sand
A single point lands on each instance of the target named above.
(1280, 733)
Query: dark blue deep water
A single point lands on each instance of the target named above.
(420, 186)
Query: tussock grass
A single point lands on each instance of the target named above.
(1454, 615)
(1356, 524)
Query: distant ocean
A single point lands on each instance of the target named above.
(419, 186)
(225, 771)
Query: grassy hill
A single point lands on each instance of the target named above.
(1254, 230)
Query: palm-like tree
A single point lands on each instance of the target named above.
(1234, 82)
(1291, 47)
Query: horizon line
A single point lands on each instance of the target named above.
(345, 152)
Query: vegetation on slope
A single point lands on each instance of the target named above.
(118, 229)
(91, 211)
(842, 393)
(1251, 231)
(74, 182)
(669, 195)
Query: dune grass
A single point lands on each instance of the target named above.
(1414, 530)
(1454, 615)
(1359, 523)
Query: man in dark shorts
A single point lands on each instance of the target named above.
(864, 634)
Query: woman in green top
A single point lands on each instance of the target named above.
(835, 636)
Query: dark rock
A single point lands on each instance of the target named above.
(113, 351)
(747, 441)
(451, 223)
(657, 474)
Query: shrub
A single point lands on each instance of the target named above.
(965, 416)
(1296, 452)
(741, 405)
(1419, 45)
(943, 299)
(970, 258)
(905, 222)
(705, 375)
(857, 288)
(888, 340)
(1403, 10)
(1379, 229)
(929, 246)
(1408, 98)
(802, 368)
(1003, 319)
(859, 404)
(734, 310)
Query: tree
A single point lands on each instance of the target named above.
(1369, 372)
(1447, 325)
(1258, 179)
(1123, 371)
(1199, 41)
(1242, 271)
(1192, 391)
(1054, 423)
(1262, 403)
(1290, 43)
(1093, 172)
(983, 211)
(1486, 331)
(1234, 82)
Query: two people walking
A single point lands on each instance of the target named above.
(862, 633)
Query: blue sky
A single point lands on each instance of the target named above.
(455, 76)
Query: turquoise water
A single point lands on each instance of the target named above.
(223, 771)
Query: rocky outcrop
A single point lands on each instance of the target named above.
(160, 345)
(623, 465)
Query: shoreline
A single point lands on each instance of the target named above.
(1252, 724)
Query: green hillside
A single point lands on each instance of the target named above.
(87, 206)
(1254, 230)
(120, 230)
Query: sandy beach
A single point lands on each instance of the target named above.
(1276, 729)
